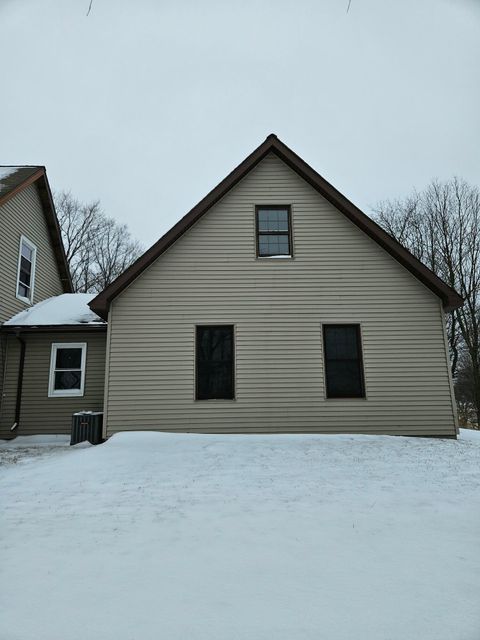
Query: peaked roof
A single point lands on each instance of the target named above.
(450, 298)
(12, 181)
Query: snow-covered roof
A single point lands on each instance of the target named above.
(66, 309)
(6, 171)
(11, 177)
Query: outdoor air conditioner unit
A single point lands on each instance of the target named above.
(87, 425)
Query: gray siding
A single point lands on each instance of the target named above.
(39, 413)
(23, 215)
(3, 347)
(338, 274)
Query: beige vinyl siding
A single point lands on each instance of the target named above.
(23, 215)
(338, 274)
(39, 413)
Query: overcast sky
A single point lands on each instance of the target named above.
(148, 104)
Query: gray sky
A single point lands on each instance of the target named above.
(148, 104)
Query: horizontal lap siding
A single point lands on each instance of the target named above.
(277, 306)
(3, 348)
(23, 215)
(39, 413)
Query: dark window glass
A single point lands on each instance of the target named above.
(273, 231)
(67, 380)
(273, 220)
(69, 359)
(214, 362)
(273, 245)
(68, 368)
(343, 361)
(25, 271)
(27, 252)
(23, 291)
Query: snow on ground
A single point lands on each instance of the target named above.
(26, 448)
(67, 308)
(171, 536)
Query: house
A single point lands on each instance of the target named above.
(276, 305)
(46, 331)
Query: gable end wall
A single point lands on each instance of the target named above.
(338, 274)
(23, 215)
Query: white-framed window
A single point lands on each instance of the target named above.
(67, 369)
(27, 256)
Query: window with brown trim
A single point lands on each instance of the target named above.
(274, 231)
(343, 361)
(214, 363)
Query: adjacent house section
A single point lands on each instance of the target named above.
(54, 366)
(32, 259)
(275, 305)
(33, 265)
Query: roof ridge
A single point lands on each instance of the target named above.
(451, 299)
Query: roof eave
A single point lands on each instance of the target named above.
(101, 303)
(450, 298)
(51, 328)
(55, 232)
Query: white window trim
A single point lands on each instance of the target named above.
(31, 246)
(66, 393)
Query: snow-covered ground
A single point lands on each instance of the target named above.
(162, 536)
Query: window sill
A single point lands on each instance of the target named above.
(274, 257)
(215, 400)
(70, 394)
(347, 398)
(24, 300)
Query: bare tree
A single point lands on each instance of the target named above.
(465, 393)
(98, 248)
(441, 226)
(113, 250)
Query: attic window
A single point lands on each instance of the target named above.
(26, 270)
(274, 231)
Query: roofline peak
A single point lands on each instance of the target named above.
(451, 299)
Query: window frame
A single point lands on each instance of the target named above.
(360, 359)
(274, 207)
(33, 248)
(66, 393)
(234, 360)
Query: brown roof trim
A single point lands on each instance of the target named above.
(39, 177)
(450, 298)
(53, 328)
